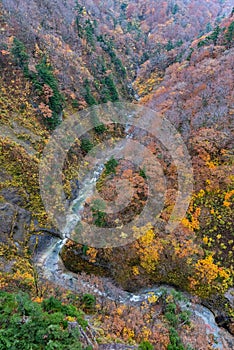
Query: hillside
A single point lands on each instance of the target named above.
(113, 40)
(59, 58)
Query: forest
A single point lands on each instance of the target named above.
(116, 174)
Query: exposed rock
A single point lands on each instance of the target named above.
(4, 175)
(6, 265)
(23, 219)
(72, 325)
(75, 187)
(231, 327)
(11, 195)
(6, 220)
(230, 296)
(39, 243)
(13, 222)
(223, 321)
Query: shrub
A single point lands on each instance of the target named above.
(86, 145)
(145, 345)
(29, 325)
(110, 166)
(112, 89)
(88, 301)
(175, 341)
(45, 76)
(229, 35)
(100, 129)
(142, 173)
(20, 55)
(88, 95)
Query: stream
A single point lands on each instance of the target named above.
(50, 267)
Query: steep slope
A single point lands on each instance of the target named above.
(196, 96)
(90, 43)
(60, 57)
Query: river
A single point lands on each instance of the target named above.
(50, 266)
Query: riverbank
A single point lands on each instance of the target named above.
(50, 267)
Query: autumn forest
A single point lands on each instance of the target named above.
(116, 174)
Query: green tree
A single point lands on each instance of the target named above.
(145, 345)
(79, 9)
(88, 96)
(229, 35)
(175, 9)
(169, 46)
(215, 34)
(45, 75)
(86, 145)
(30, 326)
(110, 166)
(20, 55)
(112, 88)
(89, 32)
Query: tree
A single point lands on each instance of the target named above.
(20, 55)
(28, 325)
(229, 35)
(89, 98)
(112, 88)
(44, 76)
(215, 34)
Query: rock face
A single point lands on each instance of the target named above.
(230, 296)
(14, 219)
(75, 187)
(6, 218)
(40, 243)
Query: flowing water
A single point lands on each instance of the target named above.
(51, 267)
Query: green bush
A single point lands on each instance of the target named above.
(188, 58)
(75, 104)
(176, 318)
(142, 173)
(88, 301)
(175, 9)
(100, 129)
(45, 75)
(88, 95)
(20, 55)
(145, 345)
(229, 35)
(214, 35)
(100, 218)
(89, 32)
(110, 166)
(86, 145)
(28, 325)
(202, 43)
(171, 318)
(169, 46)
(108, 81)
(175, 341)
